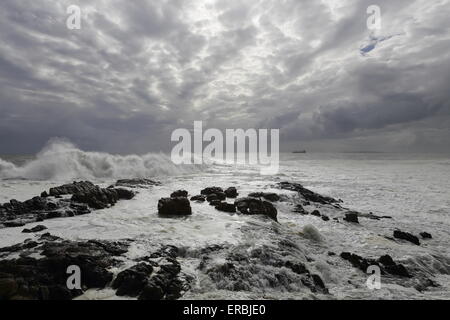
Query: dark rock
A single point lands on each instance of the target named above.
(131, 281)
(8, 287)
(226, 207)
(299, 209)
(151, 291)
(425, 235)
(272, 197)
(72, 188)
(351, 217)
(179, 193)
(308, 195)
(386, 260)
(54, 214)
(124, 193)
(357, 261)
(253, 206)
(215, 203)
(198, 198)
(174, 206)
(137, 183)
(48, 237)
(211, 190)
(13, 224)
(44, 194)
(318, 281)
(316, 213)
(386, 264)
(406, 236)
(97, 198)
(231, 192)
(297, 267)
(45, 278)
(34, 229)
(325, 218)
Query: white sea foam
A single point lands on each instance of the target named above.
(62, 160)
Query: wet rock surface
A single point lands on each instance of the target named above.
(252, 206)
(406, 236)
(156, 276)
(137, 183)
(37, 228)
(46, 278)
(307, 194)
(351, 217)
(231, 192)
(68, 200)
(179, 206)
(272, 197)
(226, 207)
(385, 263)
(281, 266)
(198, 198)
(277, 262)
(179, 193)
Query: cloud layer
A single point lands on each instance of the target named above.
(139, 69)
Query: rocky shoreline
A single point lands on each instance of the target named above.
(37, 267)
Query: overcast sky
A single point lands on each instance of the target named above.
(139, 69)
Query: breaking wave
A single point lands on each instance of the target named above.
(62, 160)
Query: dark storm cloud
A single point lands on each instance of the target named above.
(139, 69)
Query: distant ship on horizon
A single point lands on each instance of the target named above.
(299, 151)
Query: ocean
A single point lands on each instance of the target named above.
(413, 189)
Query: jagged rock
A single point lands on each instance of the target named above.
(72, 188)
(393, 268)
(215, 203)
(316, 213)
(425, 235)
(179, 193)
(308, 195)
(45, 278)
(34, 229)
(211, 190)
(84, 195)
(351, 217)
(272, 197)
(253, 206)
(216, 196)
(231, 192)
(406, 236)
(256, 269)
(131, 281)
(13, 224)
(165, 284)
(174, 206)
(325, 218)
(299, 209)
(137, 183)
(97, 198)
(226, 207)
(198, 198)
(152, 291)
(48, 237)
(124, 193)
(386, 264)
